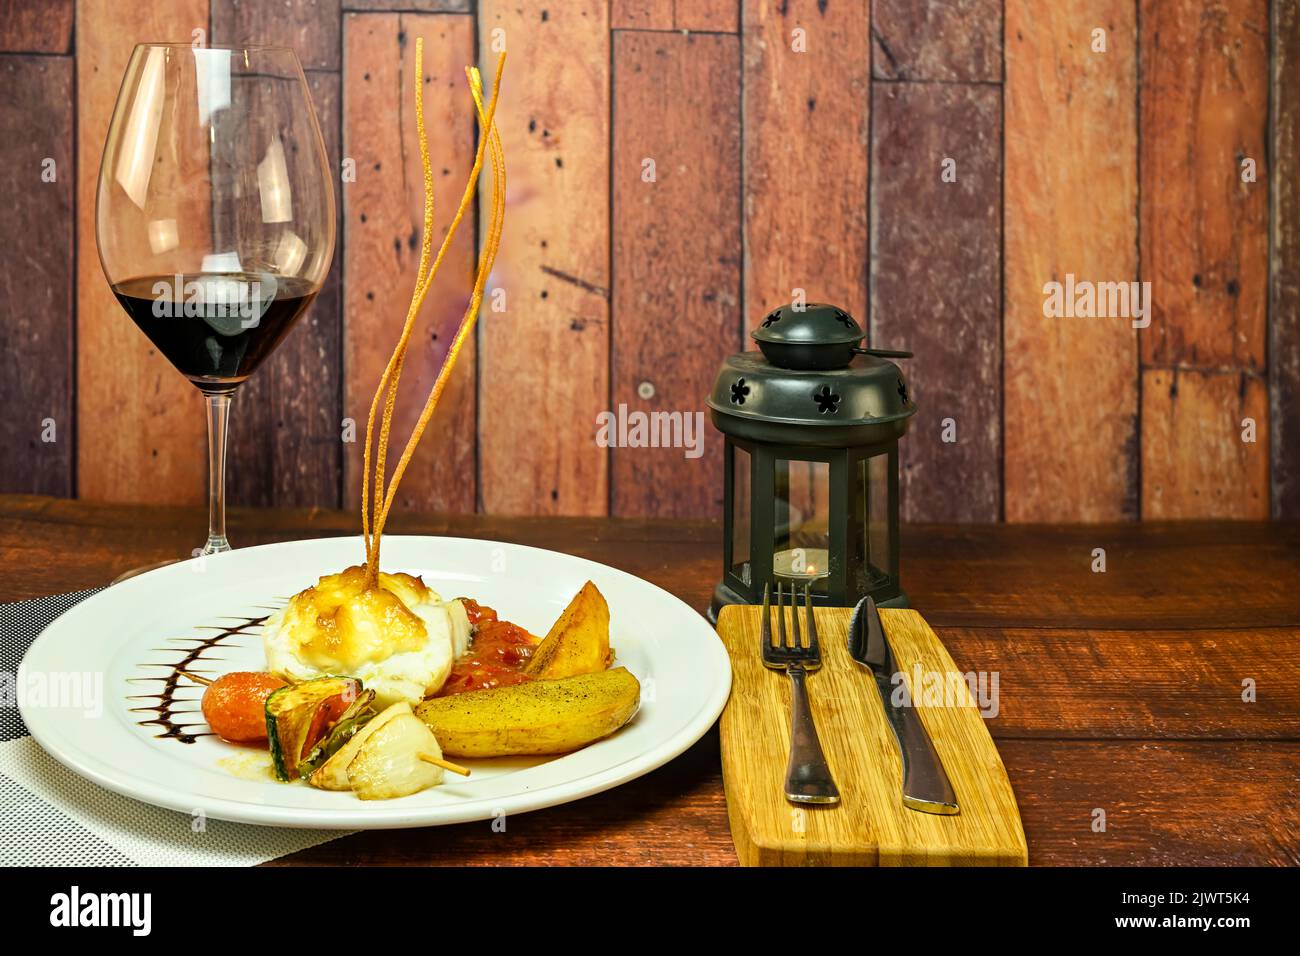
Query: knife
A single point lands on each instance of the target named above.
(925, 785)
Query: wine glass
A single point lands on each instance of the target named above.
(215, 216)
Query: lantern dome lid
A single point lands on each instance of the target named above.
(811, 384)
(814, 325)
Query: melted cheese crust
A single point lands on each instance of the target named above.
(399, 639)
(338, 625)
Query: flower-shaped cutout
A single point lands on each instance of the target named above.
(773, 317)
(738, 391)
(827, 401)
(902, 390)
(844, 319)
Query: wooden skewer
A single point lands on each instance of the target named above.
(196, 678)
(445, 764)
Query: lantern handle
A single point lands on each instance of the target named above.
(882, 353)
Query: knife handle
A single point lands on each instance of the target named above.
(925, 784)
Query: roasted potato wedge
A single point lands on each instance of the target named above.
(539, 717)
(578, 643)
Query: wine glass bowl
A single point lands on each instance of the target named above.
(215, 215)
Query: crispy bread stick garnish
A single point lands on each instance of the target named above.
(375, 506)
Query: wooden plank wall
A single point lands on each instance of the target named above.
(140, 426)
(545, 360)
(1070, 209)
(38, 202)
(1284, 303)
(1204, 248)
(676, 248)
(383, 211)
(935, 244)
(285, 435)
(931, 167)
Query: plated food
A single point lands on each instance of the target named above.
(369, 689)
(148, 737)
(355, 663)
(349, 706)
(358, 649)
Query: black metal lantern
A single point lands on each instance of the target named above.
(812, 424)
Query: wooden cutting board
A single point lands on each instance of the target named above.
(870, 826)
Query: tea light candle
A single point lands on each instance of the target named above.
(801, 564)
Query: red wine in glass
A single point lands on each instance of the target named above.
(217, 328)
(215, 216)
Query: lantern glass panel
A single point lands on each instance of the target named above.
(741, 505)
(801, 541)
(872, 495)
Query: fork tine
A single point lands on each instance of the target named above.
(765, 623)
(782, 640)
(809, 618)
(797, 639)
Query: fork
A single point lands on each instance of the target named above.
(807, 777)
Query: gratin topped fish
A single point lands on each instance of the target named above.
(399, 638)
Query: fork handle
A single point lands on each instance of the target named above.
(807, 777)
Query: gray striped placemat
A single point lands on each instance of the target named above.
(53, 817)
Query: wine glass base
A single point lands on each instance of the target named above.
(215, 545)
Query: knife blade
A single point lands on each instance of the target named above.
(925, 784)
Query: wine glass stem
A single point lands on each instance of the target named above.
(218, 421)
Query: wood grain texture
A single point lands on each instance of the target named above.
(1070, 208)
(718, 16)
(1284, 267)
(1152, 685)
(1195, 463)
(1204, 232)
(1204, 241)
(1024, 576)
(641, 14)
(1157, 575)
(309, 27)
(36, 26)
(1017, 576)
(1167, 803)
(677, 256)
(409, 6)
(806, 129)
(39, 536)
(675, 816)
(544, 371)
(140, 424)
(952, 41)
(286, 425)
(1224, 801)
(936, 287)
(869, 826)
(37, 430)
(382, 214)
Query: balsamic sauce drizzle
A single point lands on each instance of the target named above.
(167, 707)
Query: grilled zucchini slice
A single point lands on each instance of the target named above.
(300, 716)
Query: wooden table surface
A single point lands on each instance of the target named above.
(1119, 691)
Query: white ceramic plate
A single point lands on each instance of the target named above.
(141, 628)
